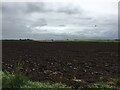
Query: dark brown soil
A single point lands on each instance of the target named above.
(63, 62)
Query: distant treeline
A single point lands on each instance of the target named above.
(117, 39)
(61, 40)
(17, 40)
(25, 39)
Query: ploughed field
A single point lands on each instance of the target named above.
(63, 61)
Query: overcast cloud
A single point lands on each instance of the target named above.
(83, 19)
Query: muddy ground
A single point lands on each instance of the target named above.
(63, 62)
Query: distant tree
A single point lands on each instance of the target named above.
(28, 39)
(117, 39)
(52, 39)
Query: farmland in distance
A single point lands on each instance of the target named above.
(63, 61)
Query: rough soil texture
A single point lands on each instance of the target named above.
(63, 62)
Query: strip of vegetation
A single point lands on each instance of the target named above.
(19, 81)
(86, 41)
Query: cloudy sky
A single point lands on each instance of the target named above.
(60, 19)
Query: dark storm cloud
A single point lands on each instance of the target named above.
(40, 22)
(44, 20)
(13, 21)
(69, 10)
(13, 28)
(41, 7)
(29, 7)
(13, 8)
(35, 7)
(14, 17)
(23, 7)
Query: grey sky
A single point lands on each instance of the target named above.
(80, 19)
